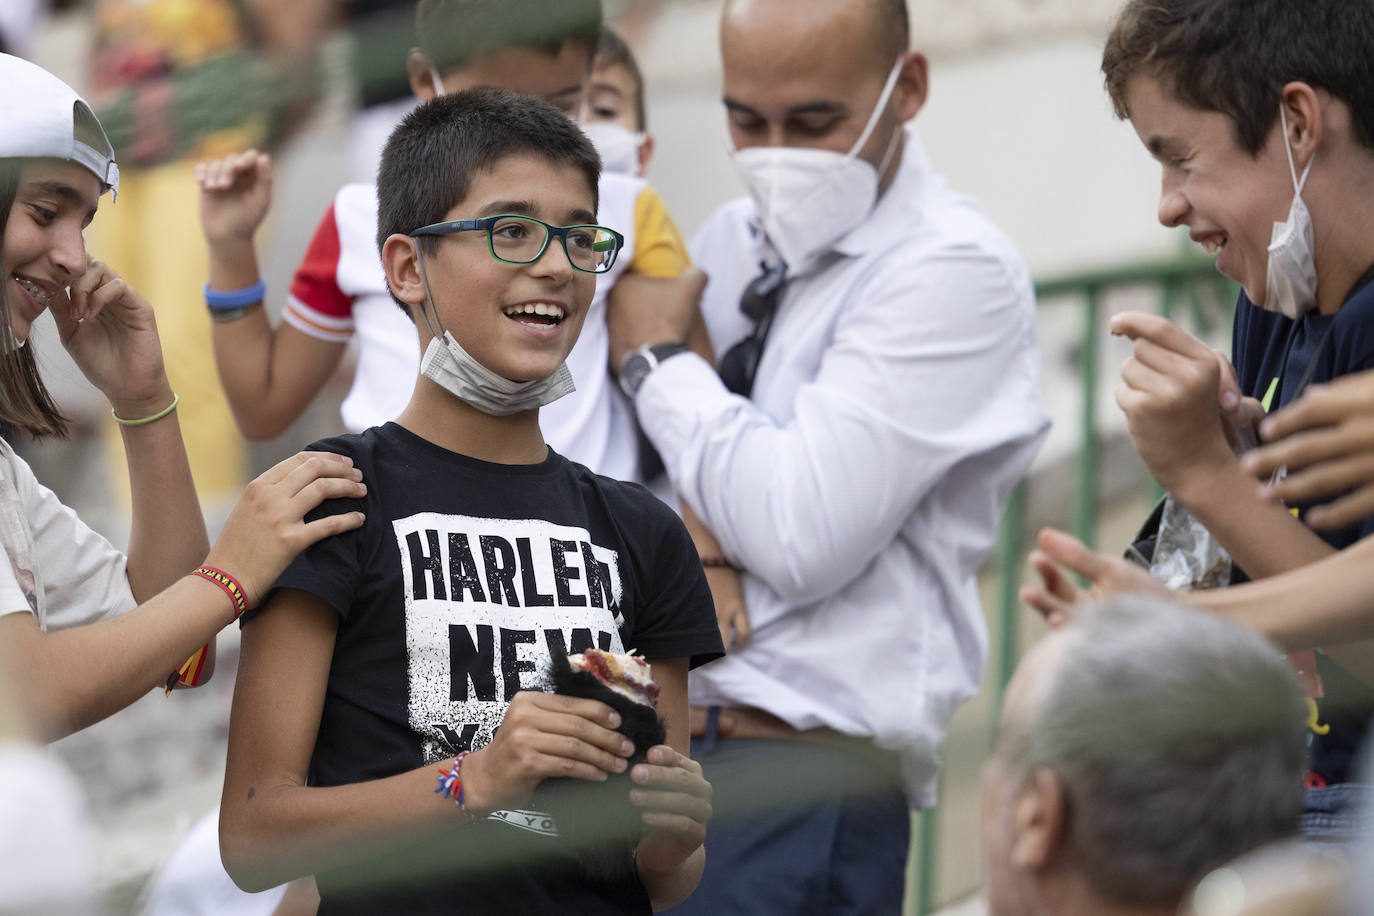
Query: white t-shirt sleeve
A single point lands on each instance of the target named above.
(82, 576)
(12, 597)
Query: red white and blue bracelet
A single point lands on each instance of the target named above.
(451, 784)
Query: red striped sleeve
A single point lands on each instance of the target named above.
(316, 283)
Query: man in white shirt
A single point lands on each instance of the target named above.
(879, 332)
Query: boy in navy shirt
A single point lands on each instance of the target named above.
(1261, 115)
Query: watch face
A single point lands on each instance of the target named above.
(633, 373)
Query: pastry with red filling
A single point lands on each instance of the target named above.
(628, 675)
(597, 818)
(623, 682)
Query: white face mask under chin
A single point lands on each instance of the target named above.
(1290, 282)
(808, 199)
(452, 368)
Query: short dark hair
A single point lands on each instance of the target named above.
(612, 51)
(453, 32)
(1234, 56)
(430, 160)
(24, 401)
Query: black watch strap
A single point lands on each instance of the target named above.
(664, 350)
(637, 366)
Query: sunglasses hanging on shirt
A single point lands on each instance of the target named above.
(759, 304)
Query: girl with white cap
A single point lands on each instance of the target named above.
(84, 629)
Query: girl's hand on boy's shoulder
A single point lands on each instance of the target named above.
(268, 528)
(544, 736)
(675, 799)
(235, 193)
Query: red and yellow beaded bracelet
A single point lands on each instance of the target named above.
(228, 583)
(190, 671)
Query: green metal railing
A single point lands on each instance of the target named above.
(1188, 282)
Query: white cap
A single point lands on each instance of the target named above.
(43, 117)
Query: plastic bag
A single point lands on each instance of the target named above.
(1186, 556)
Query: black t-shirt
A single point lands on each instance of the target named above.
(1270, 350)
(449, 597)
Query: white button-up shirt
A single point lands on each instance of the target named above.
(896, 404)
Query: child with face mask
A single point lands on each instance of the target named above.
(425, 638)
(1267, 152)
(271, 374)
(615, 112)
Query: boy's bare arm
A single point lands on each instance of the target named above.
(75, 677)
(274, 828)
(1330, 602)
(270, 375)
(1327, 604)
(1170, 392)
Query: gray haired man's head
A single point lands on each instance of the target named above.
(1140, 747)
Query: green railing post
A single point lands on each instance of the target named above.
(928, 827)
(1085, 505)
(1175, 279)
(1009, 550)
(1168, 293)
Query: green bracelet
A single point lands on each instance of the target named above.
(176, 399)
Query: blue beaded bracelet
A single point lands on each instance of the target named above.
(235, 299)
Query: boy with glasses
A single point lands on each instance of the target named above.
(484, 555)
(543, 48)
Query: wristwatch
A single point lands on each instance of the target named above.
(639, 363)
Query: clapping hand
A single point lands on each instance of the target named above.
(1061, 555)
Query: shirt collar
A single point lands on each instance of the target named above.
(896, 210)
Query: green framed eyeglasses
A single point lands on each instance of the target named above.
(523, 240)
